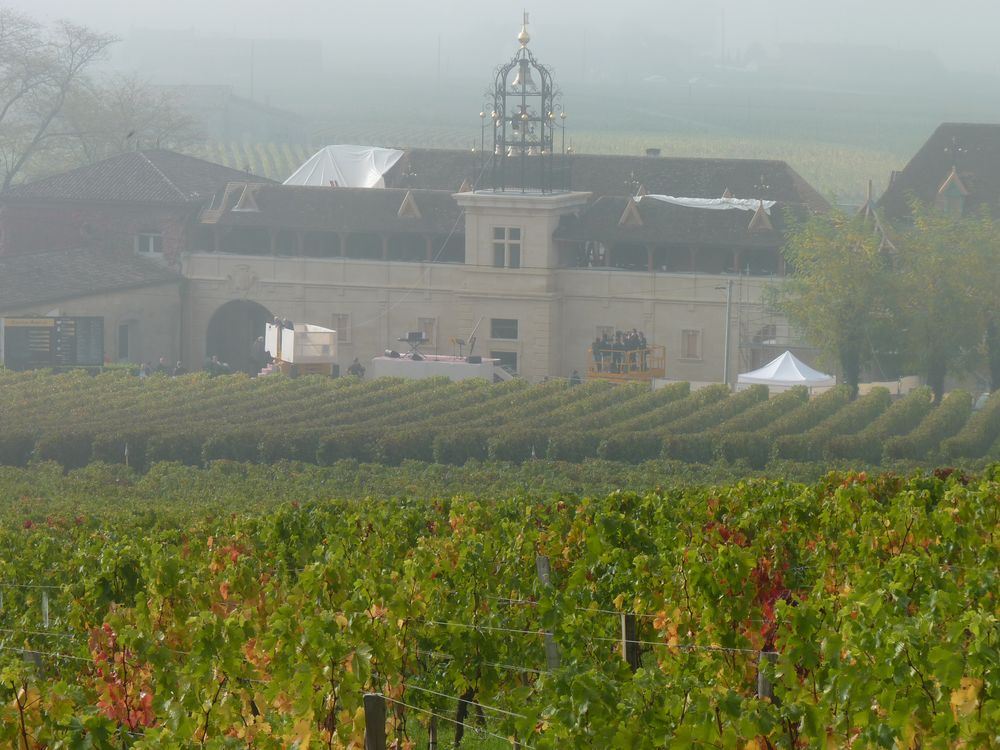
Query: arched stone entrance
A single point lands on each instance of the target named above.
(232, 331)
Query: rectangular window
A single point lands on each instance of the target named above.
(123, 341)
(603, 331)
(507, 247)
(341, 323)
(690, 344)
(508, 360)
(503, 328)
(149, 243)
(427, 327)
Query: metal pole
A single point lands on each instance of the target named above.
(729, 307)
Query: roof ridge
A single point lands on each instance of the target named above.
(166, 179)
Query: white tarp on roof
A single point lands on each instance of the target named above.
(786, 370)
(714, 204)
(346, 166)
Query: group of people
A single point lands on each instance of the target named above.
(625, 352)
(163, 367)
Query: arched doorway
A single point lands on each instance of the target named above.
(233, 329)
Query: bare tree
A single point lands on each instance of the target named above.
(115, 114)
(40, 69)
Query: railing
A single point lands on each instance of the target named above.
(623, 365)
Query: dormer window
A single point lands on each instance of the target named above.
(952, 194)
(149, 243)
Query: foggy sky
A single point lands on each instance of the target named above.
(960, 32)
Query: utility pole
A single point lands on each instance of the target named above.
(729, 307)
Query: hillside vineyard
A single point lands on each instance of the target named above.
(74, 419)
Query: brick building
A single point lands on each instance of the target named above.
(145, 201)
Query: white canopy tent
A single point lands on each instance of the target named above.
(346, 166)
(786, 372)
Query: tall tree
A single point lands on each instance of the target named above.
(837, 293)
(936, 281)
(40, 69)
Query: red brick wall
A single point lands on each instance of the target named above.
(62, 225)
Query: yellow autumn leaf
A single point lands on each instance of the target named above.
(302, 733)
(965, 699)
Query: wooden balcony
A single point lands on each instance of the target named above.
(627, 366)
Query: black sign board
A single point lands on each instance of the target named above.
(30, 343)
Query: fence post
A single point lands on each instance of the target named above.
(45, 608)
(764, 687)
(432, 733)
(630, 638)
(551, 647)
(374, 721)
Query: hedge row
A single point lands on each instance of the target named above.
(761, 415)
(979, 433)
(899, 419)
(811, 413)
(811, 445)
(943, 422)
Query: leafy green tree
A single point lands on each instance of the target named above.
(940, 292)
(838, 293)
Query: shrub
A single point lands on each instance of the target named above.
(356, 444)
(459, 446)
(396, 446)
(811, 413)
(16, 448)
(900, 418)
(761, 415)
(716, 413)
(752, 447)
(811, 445)
(943, 422)
(243, 446)
(289, 446)
(185, 448)
(69, 449)
(573, 446)
(631, 448)
(517, 445)
(980, 432)
(111, 449)
(692, 449)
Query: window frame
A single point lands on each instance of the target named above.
(144, 239)
(343, 332)
(508, 242)
(700, 336)
(497, 333)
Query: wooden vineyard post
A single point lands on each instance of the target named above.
(374, 721)
(630, 641)
(551, 647)
(432, 734)
(764, 687)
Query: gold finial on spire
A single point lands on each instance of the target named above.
(524, 37)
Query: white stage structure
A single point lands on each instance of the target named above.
(437, 365)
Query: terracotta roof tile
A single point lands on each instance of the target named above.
(149, 176)
(28, 279)
(972, 150)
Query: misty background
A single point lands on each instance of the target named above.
(844, 91)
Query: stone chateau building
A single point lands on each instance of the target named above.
(535, 249)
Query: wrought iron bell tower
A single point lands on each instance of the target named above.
(526, 111)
